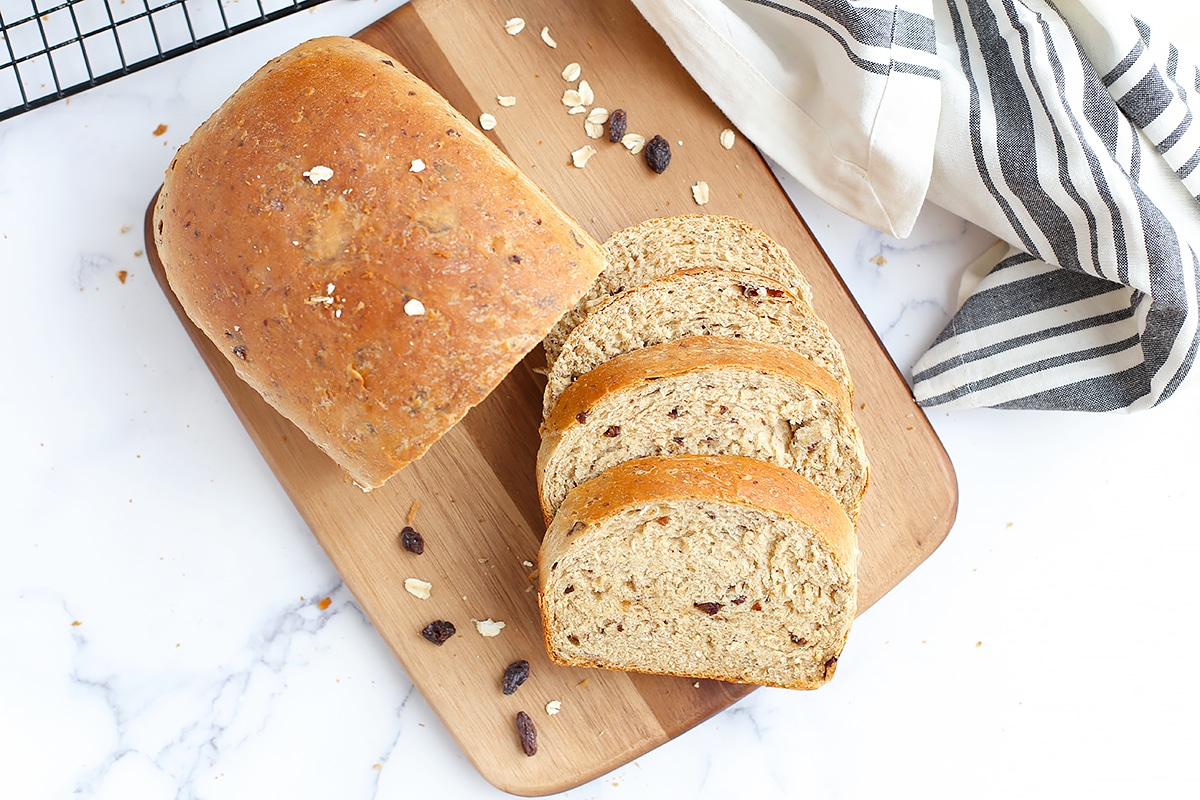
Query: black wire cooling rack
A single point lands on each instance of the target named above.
(50, 49)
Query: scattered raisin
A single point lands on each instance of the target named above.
(438, 631)
(797, 639)
(774, 292)
(708, 608)
(741, 598)
(527, 732)
(581, 417)
(568, 590)
(617, 123)
(830, 666)
(658, 154)
(239, 350)
(663, 520)
(756, 607)
(412, 541)
(677, 440)
(673, 413)
(514, 675)
(613, 431)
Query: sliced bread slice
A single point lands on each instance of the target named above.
(694, 303)
(716, 567)
(704, 395)
(663, 245)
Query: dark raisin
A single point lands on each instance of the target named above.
(617, 123)
(438, 631)
(573, 639)
(830, 666)
(797, 639)
(673, 413)
(581, 417)
(239, 350)
(658, 154)
(527, 732)
(612, 431)
(708, 608)
(568, 590)
(677, 440)
(389, 63)
(741, 598)
(515, 674)
(756, 607)
(774, 292)
(412, 541)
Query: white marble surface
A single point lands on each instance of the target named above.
(159, 628)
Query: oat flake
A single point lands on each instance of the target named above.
(417, 165)
(727, 138)
(514, 26)
(599, 115)
(506, 100)
(488, 627)
(580, 157)
(487, 121)
(417, 587)
(553, 707)
(414, 308)
(548, 39)
(571, 98)
(633, 142)
(700, 192)
(587, 96)
(571, 72)
(319, 173)
(594, 130)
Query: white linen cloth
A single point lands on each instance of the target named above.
(1064, 128)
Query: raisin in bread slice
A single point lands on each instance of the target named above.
(717, 567)
(705, 395)
(696, 302)
(658, 247)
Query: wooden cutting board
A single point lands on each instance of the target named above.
(476, 503)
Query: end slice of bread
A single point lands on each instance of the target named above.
(695, 302)
(716, 567)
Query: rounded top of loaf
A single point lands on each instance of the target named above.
(366, 258)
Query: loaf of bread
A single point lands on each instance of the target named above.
(700, 566)
(704, 395)
(664, 245)
(366, 259)
(695, 302)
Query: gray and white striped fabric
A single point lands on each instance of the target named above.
(1064, 128)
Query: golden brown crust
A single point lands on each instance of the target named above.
(306, 281)
(726, 479)
(677, 357)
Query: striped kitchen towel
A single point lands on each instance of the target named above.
(1065, 128)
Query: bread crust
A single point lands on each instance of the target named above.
(365, 258)
(678, 357)
(775, 298)
(727, 479)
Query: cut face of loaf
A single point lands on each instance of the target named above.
(695, 303)
(658, 247)
(704, 395)
(703, 567)
(365, 258)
